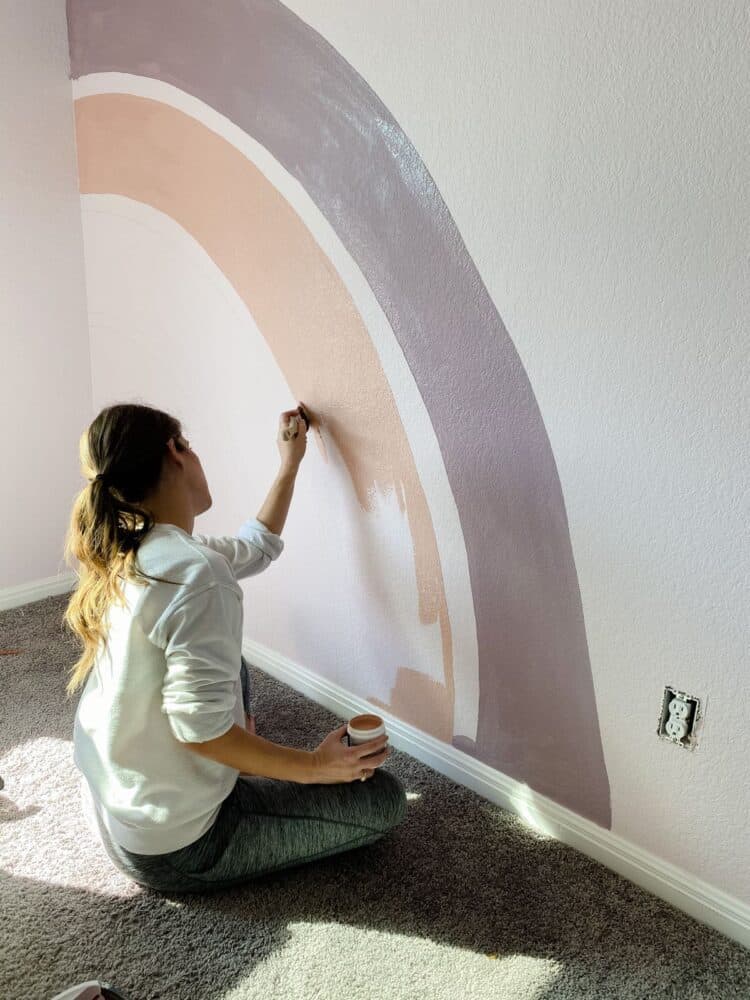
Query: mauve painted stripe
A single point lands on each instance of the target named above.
(260, 65)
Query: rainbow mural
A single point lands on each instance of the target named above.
(171, 99)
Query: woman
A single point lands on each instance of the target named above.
(183, 793)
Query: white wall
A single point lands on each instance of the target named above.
(594, 156)
(45, 401)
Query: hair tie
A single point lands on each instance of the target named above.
(101, 476)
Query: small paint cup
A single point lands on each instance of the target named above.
(362, 729)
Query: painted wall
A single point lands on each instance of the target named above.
(500, 255)
(45, 399)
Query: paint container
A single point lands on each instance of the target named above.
(362, 729)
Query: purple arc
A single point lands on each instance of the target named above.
(277, 79)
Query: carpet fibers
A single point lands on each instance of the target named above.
(459, 902)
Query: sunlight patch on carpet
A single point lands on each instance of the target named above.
(383, 961)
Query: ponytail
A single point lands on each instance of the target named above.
(122, 455)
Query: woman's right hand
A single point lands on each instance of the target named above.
(335, 762)
(292, 451)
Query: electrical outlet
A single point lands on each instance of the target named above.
(679, 717)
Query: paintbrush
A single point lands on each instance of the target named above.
(291, 431)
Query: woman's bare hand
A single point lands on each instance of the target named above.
(292, 437)
(334, 762)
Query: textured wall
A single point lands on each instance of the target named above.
(512, 532)
(45, 399)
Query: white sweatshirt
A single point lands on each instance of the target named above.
(169, 674)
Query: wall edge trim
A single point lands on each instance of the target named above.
(685, 891)
(37, 590)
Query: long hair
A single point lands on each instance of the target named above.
(126, 443)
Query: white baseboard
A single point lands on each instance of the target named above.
(14, 597)
(683, 890)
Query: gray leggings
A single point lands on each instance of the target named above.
(266, 824)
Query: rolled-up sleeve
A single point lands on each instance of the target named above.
(251, 551)
(203, 664)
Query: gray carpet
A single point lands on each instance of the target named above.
(460, 901)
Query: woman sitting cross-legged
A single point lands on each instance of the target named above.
(183, 793)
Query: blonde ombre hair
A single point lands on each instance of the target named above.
(126, 443)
